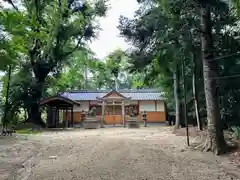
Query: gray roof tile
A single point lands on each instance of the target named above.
(140, 94)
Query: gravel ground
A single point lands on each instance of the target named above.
(152, 153)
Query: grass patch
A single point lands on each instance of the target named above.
(27, 131)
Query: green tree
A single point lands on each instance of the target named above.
(143, 31)
(102, 76)
(164, 33)
(48, 33)
(215, 141)
(113, 62)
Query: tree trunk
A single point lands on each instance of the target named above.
(195, 94)
(85, 77)
(34, 106)
(215, 138)
(116, 83)
(35, 114)
(26, 119)
(178, 108)
(6, 107)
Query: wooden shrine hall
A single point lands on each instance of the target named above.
(115, 102)
(54, 105)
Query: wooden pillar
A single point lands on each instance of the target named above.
(49, 116)
(66, 118)
(55, 117)
(123, 114)
(138, 107)
(114, 113)
(72, 116)
(102, 118)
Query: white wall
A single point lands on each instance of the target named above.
(143, 106)
(132, 102)
(151, 106)
(84, 105)
(160, 106)
(146, 106)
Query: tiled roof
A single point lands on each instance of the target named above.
(136, 94)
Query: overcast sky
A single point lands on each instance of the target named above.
(109, 39)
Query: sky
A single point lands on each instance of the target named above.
(109, 39)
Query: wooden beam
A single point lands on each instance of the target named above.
(56, 117)
(155, 105)
(66, 118)
(72, 116)
(102, 118)
(123, 113)
(138, 107)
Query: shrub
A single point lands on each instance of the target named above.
(236, 132)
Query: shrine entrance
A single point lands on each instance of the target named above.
(113, 113)
(113, 108)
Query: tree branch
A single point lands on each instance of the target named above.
(82, 9)
(75, 48)
(12, 4)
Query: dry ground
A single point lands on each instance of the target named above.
(108, 154)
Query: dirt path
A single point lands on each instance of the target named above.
(110, 154)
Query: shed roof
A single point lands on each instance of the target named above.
(59, 101)
(136, 94)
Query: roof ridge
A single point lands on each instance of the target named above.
(120, 91)
(135, 95)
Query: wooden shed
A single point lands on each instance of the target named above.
(56, 104)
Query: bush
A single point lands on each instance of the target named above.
(236, 132)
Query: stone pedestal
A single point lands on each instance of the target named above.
(91, 123)
(133, 123)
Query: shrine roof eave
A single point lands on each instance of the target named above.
(58, 101)
(113, 98)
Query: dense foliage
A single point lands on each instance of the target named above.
(198, 40)
(55, 57)
(43, 35)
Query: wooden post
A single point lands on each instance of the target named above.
(102, 118)
(123, 114)
(138, 107)
(55, 117)
(114, 113)
(49, 116)
(58, 115)
(66, 118)
(72, 116)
